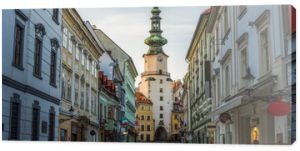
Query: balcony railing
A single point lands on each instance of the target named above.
(155, 73)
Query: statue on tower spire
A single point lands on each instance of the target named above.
(155, 41)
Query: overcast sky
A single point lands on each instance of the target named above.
(128, 27)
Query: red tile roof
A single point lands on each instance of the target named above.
(140, 98)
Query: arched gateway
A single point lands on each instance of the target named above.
(161, 135)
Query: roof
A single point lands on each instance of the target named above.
(201, 21)
(140, 98)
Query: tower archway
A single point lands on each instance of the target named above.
(161, 134)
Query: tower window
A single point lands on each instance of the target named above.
(161, 98)
(161, 108)
(161, 116)
(160, 81)
(161, 90)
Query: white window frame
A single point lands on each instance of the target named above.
(65, 37)
(77, 52)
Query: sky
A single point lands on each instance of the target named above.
(128, 27)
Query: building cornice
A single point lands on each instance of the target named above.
(29, 89)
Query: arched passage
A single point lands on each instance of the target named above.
(161, 134)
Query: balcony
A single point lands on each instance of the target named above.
(155, 73)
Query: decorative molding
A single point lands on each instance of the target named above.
(242, 38)
(40, 30)
(54, 44)
(29, 89)
(21, 14)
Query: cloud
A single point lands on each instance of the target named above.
(128, 27)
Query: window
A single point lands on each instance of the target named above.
(63, 135)
(176, 126)
(243, 64)
(82, 95)
(82, 58)
(77, 52)
(142, 117)
(161, 108)
(18, 46)
(88, 64)
(15, 108)
(38, 57)
(264, 51)
(161, 90)
(226, 81)
(35, 129)
(76, 101)
(161, 116)
(161, 98)
(160, 81)
(55, 15)
(70, 43)
(142, 128)
(148, 128)
(148, 118)
(291, 73)
(54, 47)
(142, 136)
(87, 100)
(51, 124)
(65, 37)
(39, 34)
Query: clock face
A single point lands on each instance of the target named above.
(160, 58)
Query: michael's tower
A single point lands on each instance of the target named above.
(156, 81)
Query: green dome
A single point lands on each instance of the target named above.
(155, 10)
(155, 40)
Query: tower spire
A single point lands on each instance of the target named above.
(155, 41)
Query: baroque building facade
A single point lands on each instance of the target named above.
(251, 84)
(31, 74)
(129, 73)
(156, 83)
(144, 118)
(79, 94)
(199, 83)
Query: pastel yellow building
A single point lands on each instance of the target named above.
(144, 118)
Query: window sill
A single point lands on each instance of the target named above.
(53, 84)
(18, 67)
(55, 20)
(37, 76)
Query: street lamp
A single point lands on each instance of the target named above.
(249, 78)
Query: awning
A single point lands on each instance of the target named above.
(226, 106)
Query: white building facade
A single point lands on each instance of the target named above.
(156, 83)
(250, 56)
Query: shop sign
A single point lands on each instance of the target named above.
(279, 107)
